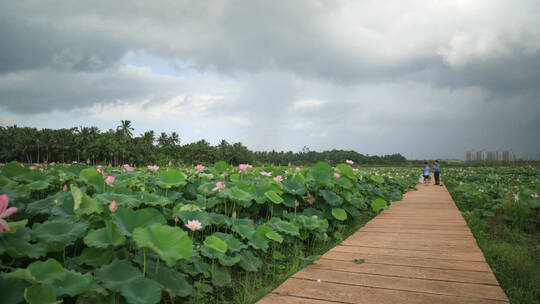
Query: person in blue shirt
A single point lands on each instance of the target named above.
(426, 173)
(436, 169)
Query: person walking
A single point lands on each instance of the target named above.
(426, 173)
(436, 172)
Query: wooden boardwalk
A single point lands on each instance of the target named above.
(418, 251)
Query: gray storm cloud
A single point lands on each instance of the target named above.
(378, 77)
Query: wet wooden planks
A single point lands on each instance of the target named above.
(418, 251)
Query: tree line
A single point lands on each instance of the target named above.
(119, 146)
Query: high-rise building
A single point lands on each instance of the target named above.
(474, 155)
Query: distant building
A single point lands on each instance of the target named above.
(482, 155)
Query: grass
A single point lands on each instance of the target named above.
(248, 287)
(512, 254)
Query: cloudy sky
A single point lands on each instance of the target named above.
(428, 79)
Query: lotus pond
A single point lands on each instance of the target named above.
(79, 234)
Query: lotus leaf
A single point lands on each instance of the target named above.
(378, 205)
(274, 236)
(84, 204)
(94, 257)
(345, 170)
(233, 244)
(93, 178)
(171, 178)
(331, 198)
(127, 219)
(40, 294)
(228, 261)
(339, 214)
(12, 289)
(173, 282)
(123, 200)
(377, 179)
(220, 276)
(105, 237)
(273, 197)
(249, 262)
(13, 169)
(170, 243)
(294, 186)
(18, 244)
(244, 227)
(141, 291)
(284, 226)
(322, 173)
(59, 231)
(116, 274)
(216, 243)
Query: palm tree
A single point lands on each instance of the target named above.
(126, 128)
(174, 139)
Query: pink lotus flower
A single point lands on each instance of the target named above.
(376, 173)
(219, 186)
(53, 164)
(42, 170)
(194, 225)
(336, 175)
(200, 167)
(113, 206)
(22, 165)
(245, 167)
(127, 168)
(350, 162)
(32, 167)
(297, 169)
(278, 179)
(534, 195)
(516, 196)
(355, 169)
(5, 212)
(390, 177)
(110, 180)
(266, 173)
(153, 168)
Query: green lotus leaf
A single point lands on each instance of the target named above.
(331, 198)
(141, 291)
(378, 205)
(237, 194)
(94, 257)
(38, 185)
(309, 222)
(104, 237)
(357, 201)
(40, 294)
(220, 276)
(170, 243)
(339, 214)
(220, 166)
(273, 197)
(13, 169)
(116, 274)
(274, 236)
(12, 290)
(345, 183)
(294, 186)
(322, 172)
(18, 244)
(345, 170)
(73, 284)
(244, 227)
(127, 219)
(173, 282)
(47, 272)
(171, 178)
(84, 204)
(202, 216)
(228, 261)
(45, 205)
(377, 179)
(249, 262)
(123, 200)
(233, 244)
(216, 243)
(93, 178)
(155, 200)
(59, 231)
(284, 226)
(352, 210)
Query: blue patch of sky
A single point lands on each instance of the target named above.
(159, 65)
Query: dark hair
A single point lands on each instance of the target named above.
(425, 163)
(436, 160)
